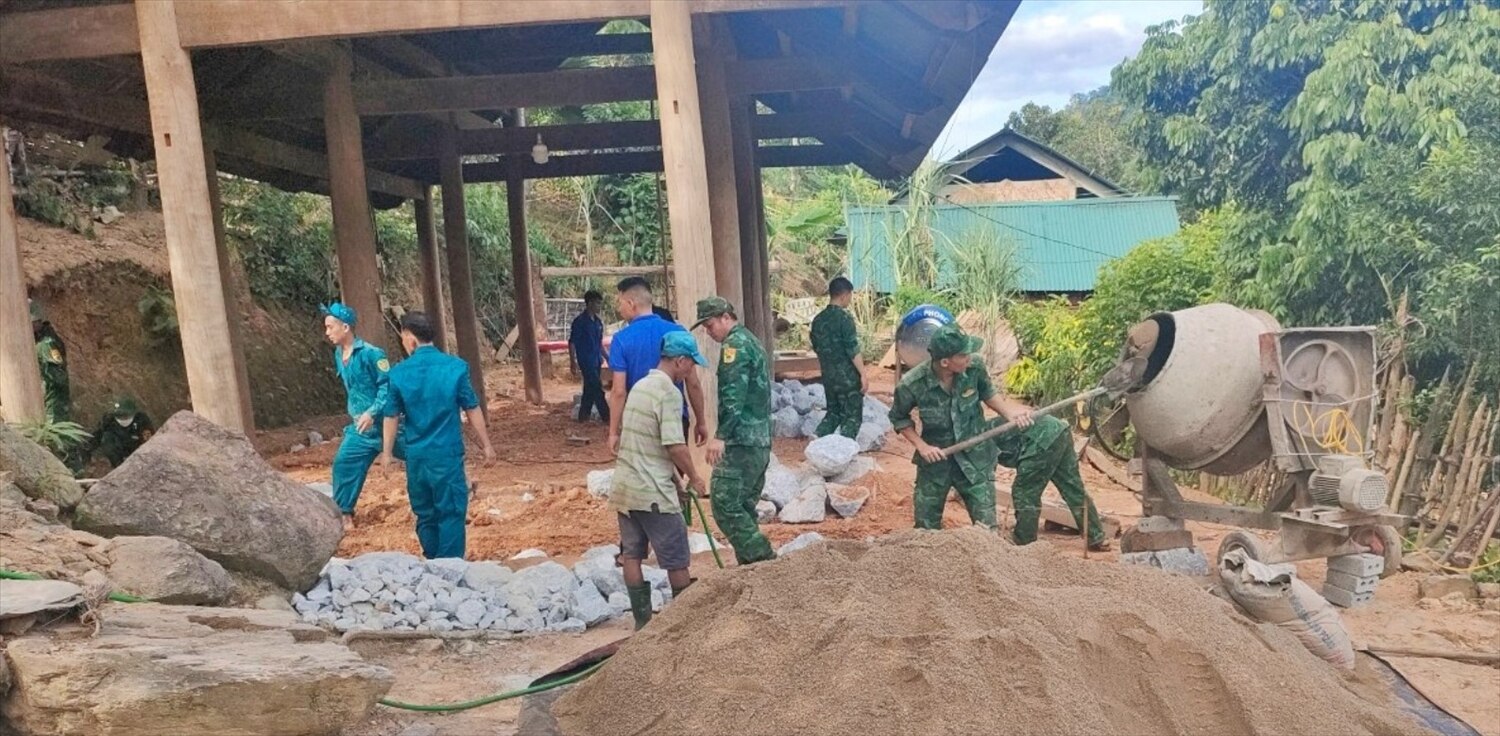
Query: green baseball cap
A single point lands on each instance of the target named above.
(713, 306)
(950, 340)
(123, 406)
(680, 344)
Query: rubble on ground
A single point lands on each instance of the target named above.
(807, 507)
(797, 408)
(167, 571)
(831, 455)
(600, 482)
(204, 485)
(160, 669)
(400, 592)
(35, 471)
(1075, 647)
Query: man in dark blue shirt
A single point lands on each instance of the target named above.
(635, 350)
(586, 340)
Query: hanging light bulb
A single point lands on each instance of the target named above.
(539, 152)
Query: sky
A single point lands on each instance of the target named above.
(1052, 50)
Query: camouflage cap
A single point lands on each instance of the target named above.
(950, 340)
(123, 406)
(713, 306)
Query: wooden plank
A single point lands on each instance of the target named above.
(460, 274)
(431, 267)
(353, 223)
(69, 33)
(636, 162)
(558, 88)
(526, 48)
(685, 165)
(550, 272)
(197, 284)
(20, 378)
(719, 149)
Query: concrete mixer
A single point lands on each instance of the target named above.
(1220, 390)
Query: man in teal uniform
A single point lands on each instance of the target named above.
(1041, 453)
(429, 392)
(948, 393)
(364, 370)
(836, 341)
(741, 449)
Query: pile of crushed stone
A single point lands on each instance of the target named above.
(958, 632)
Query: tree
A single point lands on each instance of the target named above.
(1091, 130)
(1360, 141)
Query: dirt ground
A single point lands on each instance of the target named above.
(536, 461)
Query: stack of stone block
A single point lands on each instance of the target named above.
(1352, 579)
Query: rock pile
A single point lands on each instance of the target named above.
(797, 409)
(397, 591)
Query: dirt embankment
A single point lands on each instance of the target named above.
(91, 290)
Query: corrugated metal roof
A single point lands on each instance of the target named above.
(1060, 245)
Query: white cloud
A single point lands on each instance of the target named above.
(1051, 51)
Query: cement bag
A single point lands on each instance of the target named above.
(1273, 594)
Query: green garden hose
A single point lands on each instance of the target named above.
(13, 575)
(704, 519)
(497, 697)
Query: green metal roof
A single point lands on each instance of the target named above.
(1060, 245)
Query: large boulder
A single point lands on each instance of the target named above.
(36, 471)
(167, 571)
(781, 484)
(199, 483)
(157, 669)
(808, 505)
(830, 455)
(34, 544)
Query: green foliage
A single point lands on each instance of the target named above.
(631, 220)
(804, 210)
(57, 437)
(1054, 359)
(158, 316)
(490, 260)
(285, 241)
(1361, 142)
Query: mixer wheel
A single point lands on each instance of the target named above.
(1240, 540)
(1382, 540)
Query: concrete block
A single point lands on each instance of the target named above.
(1159, 524)
(1360, 566)
(1135, 540)
(1344, 599)
(1351, 583)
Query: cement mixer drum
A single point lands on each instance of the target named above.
(1200, 407)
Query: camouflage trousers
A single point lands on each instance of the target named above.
(931, 493)
(846, 407)
(734, 489)
(1057, 464)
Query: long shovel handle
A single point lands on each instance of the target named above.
(994, 432)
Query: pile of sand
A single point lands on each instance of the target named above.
(960, 633)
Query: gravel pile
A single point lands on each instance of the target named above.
(397, 591)
(796, 410)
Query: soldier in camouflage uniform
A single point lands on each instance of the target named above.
(948, 393)
(836, 341)
(52, 358)
(741, 449)
(122, 430)
(1040, 453)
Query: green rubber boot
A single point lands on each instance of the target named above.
(640, 603)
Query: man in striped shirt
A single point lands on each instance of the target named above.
(652, 451)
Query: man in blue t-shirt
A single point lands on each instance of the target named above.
(636, 349)
(586, 340)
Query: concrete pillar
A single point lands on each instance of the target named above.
(461, 281)
(353, 222)
(523, 284)
(431, 267)
(684, 162)
(719, 149)
(235, 319)
(20, 378)
(197, 283)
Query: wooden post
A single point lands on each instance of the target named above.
(521, 276)
(20, 378)
(226, 272)
(353, 223)
(761, 295)
(460, 279)
(431, 267)
(747, 195)
(187, 214)
(683, 160)
(719, 149)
